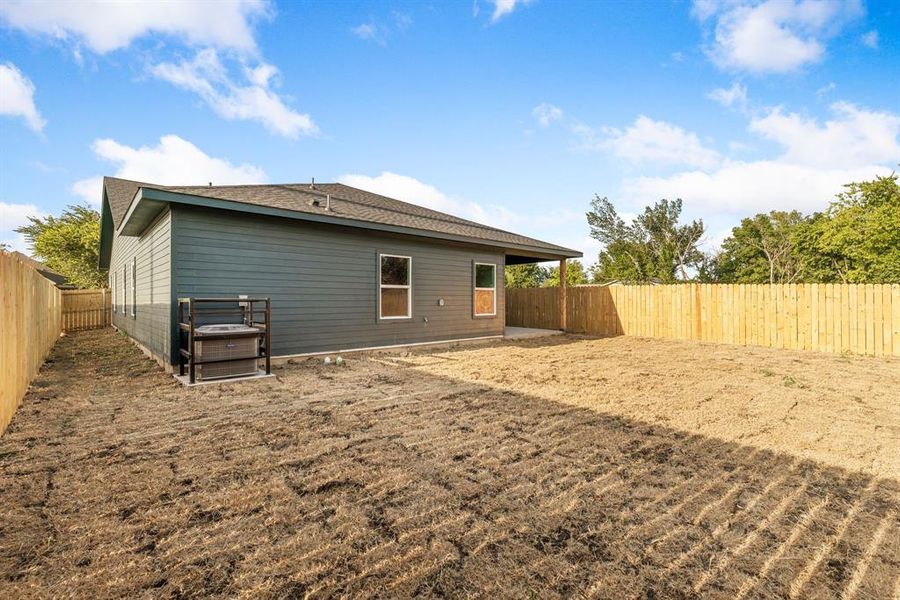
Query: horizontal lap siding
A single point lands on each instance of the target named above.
(151, 325)
(323, 280)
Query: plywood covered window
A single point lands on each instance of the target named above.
(395, 287)
(133, 285)
(485, 289)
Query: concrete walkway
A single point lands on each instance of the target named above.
(521, 333)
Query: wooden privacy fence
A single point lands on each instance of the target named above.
(30, 323)
(86, 309)
(856, 318)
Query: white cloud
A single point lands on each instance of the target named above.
(17, 96)
(854, 137)
(174, 161)
(379, 31)
(13, 216)
(410, 189)
(735, 96)
(367, 31)
(750, 187)
(252, 100)
(106, 26)
(826, 89)
(815, 162)
(90, 190)
(648, 140)
(870, 39)
(505, 7)
(774, 36)
(546, 114)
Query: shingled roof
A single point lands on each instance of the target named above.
(343, 203)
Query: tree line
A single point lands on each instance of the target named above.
(855, 240)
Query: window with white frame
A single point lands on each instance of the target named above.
(113, 285)
(485, 294)
(133, 285)
(395, 287)
(124, 289)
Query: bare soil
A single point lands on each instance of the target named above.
(486, 471)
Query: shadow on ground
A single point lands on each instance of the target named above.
(377, 480)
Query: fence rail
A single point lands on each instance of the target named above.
(86, 309)
(854, 318)
(30, 323)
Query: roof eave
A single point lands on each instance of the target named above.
(149, 202)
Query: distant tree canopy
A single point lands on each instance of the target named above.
(575, 275)
(856, 240)
(525, 276)
(534, 275)
(654, 246)
(69, 244)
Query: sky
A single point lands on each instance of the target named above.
(512, 113)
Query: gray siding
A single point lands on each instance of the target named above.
(151, 324)
(323, 279)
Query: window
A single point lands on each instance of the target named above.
(114, 284)
(395, 291)
(133, 285)
(124, 289)
(485, 290)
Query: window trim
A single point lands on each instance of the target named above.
(408, 287)
(475, 289)
(124, 289)
(133, 286)
(114, 284)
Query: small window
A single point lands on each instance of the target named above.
(133, 285)
(485, 290)
(395, 288)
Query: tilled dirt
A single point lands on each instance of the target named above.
(392, 478)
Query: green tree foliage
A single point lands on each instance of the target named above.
(525, 276)
(860, 233)
(762, 250)
(69, 244)
(857, 240)
(653, 246)
(575, 275)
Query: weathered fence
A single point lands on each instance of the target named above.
(855, 318)
(30, 323)
(86, 309)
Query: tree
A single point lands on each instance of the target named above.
(761, 250)
(69, 244)
(575, 275)
(653, 245)
(525, 276)
(860, 234)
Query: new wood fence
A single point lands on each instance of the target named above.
(30, 323)
(86, 309)
(860, 319)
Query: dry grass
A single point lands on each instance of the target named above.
(385, 479)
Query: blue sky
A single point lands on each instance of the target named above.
(510, 113)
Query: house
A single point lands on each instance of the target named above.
(344, 268)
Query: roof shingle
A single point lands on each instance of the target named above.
(345, 202)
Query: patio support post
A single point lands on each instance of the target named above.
(563, 294)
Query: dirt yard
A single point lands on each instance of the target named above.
(545, 468)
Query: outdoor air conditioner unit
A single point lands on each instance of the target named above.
(220, 342)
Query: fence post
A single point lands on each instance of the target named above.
(563, 295)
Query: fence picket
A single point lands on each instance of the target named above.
(863, 319)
